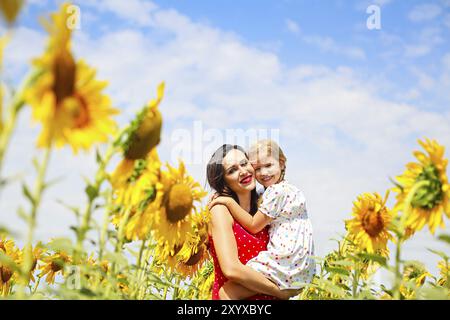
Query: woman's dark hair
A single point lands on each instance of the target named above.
(215, 174)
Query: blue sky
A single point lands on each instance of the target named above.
(349, 103)
(404, 54)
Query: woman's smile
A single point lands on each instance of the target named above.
(246, 180)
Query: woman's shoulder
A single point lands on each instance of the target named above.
(221, 214)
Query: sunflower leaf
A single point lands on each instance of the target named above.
(91, 192)
(439, 253)
(337, 270)
(444, 238)
(7, 261)
(28, 194)
(373, 257)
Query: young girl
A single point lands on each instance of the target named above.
(288, 260)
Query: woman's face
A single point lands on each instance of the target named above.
(238, 172)
(267, 169)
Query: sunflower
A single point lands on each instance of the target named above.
(414, 276)
(166, 257)
(54, 264)
(141, 194)
(367, 267)
(10, 9)
(145, 131)
(203, 282)
(369, 227)
(180, 192)
(191, 257)
(135, 181)
(443, 273)
(36, 254)
(427, 185)
(141, 138)
(7, 275)
(66, 97)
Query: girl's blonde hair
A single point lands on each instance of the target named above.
(269, 147)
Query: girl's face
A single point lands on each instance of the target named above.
(267, 169)
(238, 172)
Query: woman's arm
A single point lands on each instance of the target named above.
(253, 224)
(227, 254)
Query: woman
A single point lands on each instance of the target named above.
(230, 173)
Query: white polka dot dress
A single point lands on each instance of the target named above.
(288, 260)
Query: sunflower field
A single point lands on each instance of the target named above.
(153, 239)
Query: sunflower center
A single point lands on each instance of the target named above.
(56, 265)
(64, 71)
(176, 249)
(372, 222)
(194, 259)
(5, 274)
(427, 197)
(178, 202)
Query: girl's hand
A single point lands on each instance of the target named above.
(212, 197)
(219, 200)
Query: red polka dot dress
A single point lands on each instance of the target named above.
(248, 246)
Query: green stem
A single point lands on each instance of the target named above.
(36, 285)
(448, 275)
(6, 133)
(166, 289)
(355, 280)
(176, 290)
(398, 275)
(148, 267)
(99, 178)
(16, 106)
(120, 235)
(138, 270)
(104, 231)
(37, 198)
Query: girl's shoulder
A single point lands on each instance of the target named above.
(278, 189)
(286, 188)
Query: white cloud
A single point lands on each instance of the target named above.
(447, 21)
(446, 61)
(424, 12)
(136, 11)
(325, 43)
(292, 26)
(24, 45)
(328, 44)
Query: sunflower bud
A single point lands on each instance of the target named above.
(146, 137)
(10, 9)
(145, 130)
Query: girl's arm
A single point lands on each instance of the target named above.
(227, 254)
(253, 224)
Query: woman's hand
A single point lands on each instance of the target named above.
(219, 200)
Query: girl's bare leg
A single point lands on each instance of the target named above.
(234, 291)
